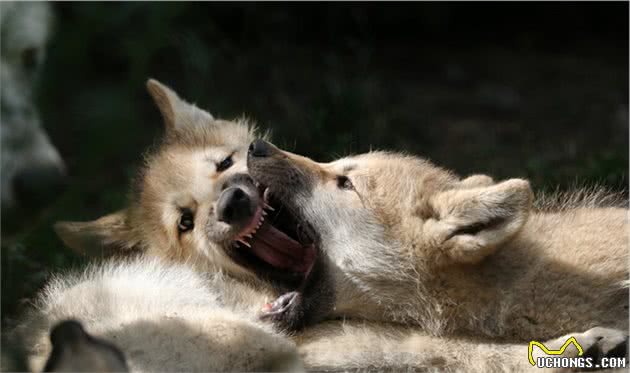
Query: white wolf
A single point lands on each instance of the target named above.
(32, 169)
(164, 317)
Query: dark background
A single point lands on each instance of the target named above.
(536, 90)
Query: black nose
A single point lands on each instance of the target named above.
(235, 206)
(39, 185)
(67, 331)
(77, 351)
(259, 148)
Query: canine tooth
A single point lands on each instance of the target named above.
(244, 243)
(266, 194)
(268, 207)
(248, 235)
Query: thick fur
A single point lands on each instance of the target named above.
(25, 27)
(375, 347)
(163, 317)
(168, 317)
(410, 242)
(180, 173)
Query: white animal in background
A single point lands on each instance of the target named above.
(33, 172)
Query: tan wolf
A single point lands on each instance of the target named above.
(161, 313)
(194, 203)
(399, 239)
(189, 201)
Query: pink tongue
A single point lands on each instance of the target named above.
(278, 249)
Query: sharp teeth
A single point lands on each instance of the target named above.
(268, 207)
(266, 194)
(244, 243)
(248, 235)
(264, 213)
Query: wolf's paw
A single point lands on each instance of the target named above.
(601, 342)
(595, 342)
(285, 312)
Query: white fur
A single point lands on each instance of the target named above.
(163, 317)
(24, 26)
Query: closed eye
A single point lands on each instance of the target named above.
(225, 164)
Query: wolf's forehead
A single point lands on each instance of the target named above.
(368, 163)
(185, 170)
(395, 171)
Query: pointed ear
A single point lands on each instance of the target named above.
(105, 236)
(471, 223)
(176, 112)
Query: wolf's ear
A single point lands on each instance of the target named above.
(176, 112)
(105, 236)
(476, 180)
(472, 222)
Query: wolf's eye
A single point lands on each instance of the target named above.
(186, 221)
(225, 164)
(343, 182)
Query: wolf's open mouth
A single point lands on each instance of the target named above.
(276, 241)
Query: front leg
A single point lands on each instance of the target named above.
(341, 346)
(593, 344)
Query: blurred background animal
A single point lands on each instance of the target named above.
(33, 172)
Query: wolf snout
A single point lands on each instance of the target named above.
(235, 206)
(238, 201)
(260, 148)
(74, 350)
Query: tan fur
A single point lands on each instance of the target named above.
(167, 317)
(175, 176)
(385, 347)
(180, 173)
(413, 243)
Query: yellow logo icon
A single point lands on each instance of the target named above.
(553, 352)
